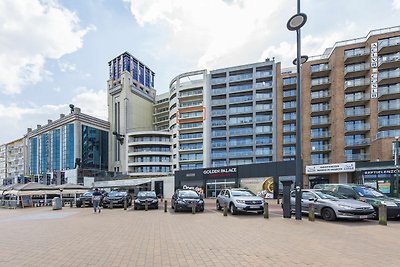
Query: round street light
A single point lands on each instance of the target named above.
(296, 22)
(303, 59)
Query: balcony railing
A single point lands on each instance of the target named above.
(357, 142)
(388, 74)
(320, 67)
(356, 67)
(261, 85)
(357, 127)
(323, 94)
(240, 77)
(356, 83)
(389, 90)
(388, 122)
(356, 112)
(218, 80)
(383, 106)
(355, 98)
(357, 157)
(318, 108)
(320, 81)
(262, 74)
(320, 134)
(326, 147)
(218, 91)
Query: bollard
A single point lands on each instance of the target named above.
(193, 209)
(71, 204)
(146, 205)
(382, 214)
(63, 202)
(225, 209)
(83, 204)
(277, 200)
(125, 204)
(311, 212)
(266, 211)
(165, 206)
(111, 205)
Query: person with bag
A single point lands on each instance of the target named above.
(96, 198)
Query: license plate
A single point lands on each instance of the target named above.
(363, 216)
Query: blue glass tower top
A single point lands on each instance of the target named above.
(126, 62)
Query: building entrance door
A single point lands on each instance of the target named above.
(213, 187)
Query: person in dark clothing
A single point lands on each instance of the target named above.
(96, 198)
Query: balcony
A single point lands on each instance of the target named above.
(386, 106)
(264, 107)
(357, 142)
(389, 91)
(235, 154)
(319, 161)
(320, 83)
(218, 80)
(320, 70)
(389, 123)
(263, 74)
(191, 93)
(218, 123)
(356, 55)
(389, 45)
(219, 155)
(289, 105)
(286, 153)
(218, 144)
(263, 85)
(356, 99)
(357, 157)
(289, 140)
(236, 143)
(356, 113)
(240, 99)
(289, 82)
(320, 148)
(356, 70)
(387, 77)
(289, 116)
(320, 96)
(288, 128)
(289, 94)
(218, 91)
(356, 84)
(218, 102)
(359, 127)
(263, 96)
(240, 88)
(389, 61)
(216, 113)
(320, 121)
(241, 77)
(318, 109)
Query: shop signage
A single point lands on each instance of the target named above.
(220, 173)
(388, 171)
(331, 168)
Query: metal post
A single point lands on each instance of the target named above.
(146, 205)
(83, 204)
(111, 204)
(165, 206)
(193, 209)
(225, 209)
(311, 212)
(125, 204)
(396, 162)
(266, 211)
(382, 214)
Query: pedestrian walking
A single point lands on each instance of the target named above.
(96, 198)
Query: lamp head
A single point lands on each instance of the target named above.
(296, 22)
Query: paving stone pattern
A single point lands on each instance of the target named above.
(78, 237)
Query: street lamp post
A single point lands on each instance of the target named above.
(294, 24)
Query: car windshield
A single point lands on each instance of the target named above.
(188, 194)
(88, 194)
(368, 192)
(116, 194)
(328, 195)
(240, 193)
(146, 194)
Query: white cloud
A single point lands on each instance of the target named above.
(66, 66)
(396, 4)
(17, 118)
(31, 32)
(213, 32)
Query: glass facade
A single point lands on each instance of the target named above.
(55, 150)
(33, 155)
(44, 145)
(68, 146)
(94, 148)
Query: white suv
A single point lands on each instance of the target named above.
(240, 200)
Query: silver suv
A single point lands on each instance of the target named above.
(240, 200)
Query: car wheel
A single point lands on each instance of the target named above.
(233, 209)
(219, 206)
(328, 214)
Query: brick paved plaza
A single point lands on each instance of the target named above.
(78, 237)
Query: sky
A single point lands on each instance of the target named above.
(55, 53)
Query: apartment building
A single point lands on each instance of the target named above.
(12, 163)
(350, 109)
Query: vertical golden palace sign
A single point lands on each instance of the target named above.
(374, 68)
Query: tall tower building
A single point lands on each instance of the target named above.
(131, 97)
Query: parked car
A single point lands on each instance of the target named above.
(186, 199)
(117, 198)
(366, 194)
(240, 200)
(330, 205)
(142, 197)
(85, 198)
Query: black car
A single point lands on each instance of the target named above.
(186, 199)
(142, 197)
(85, 198)
(117, 198)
